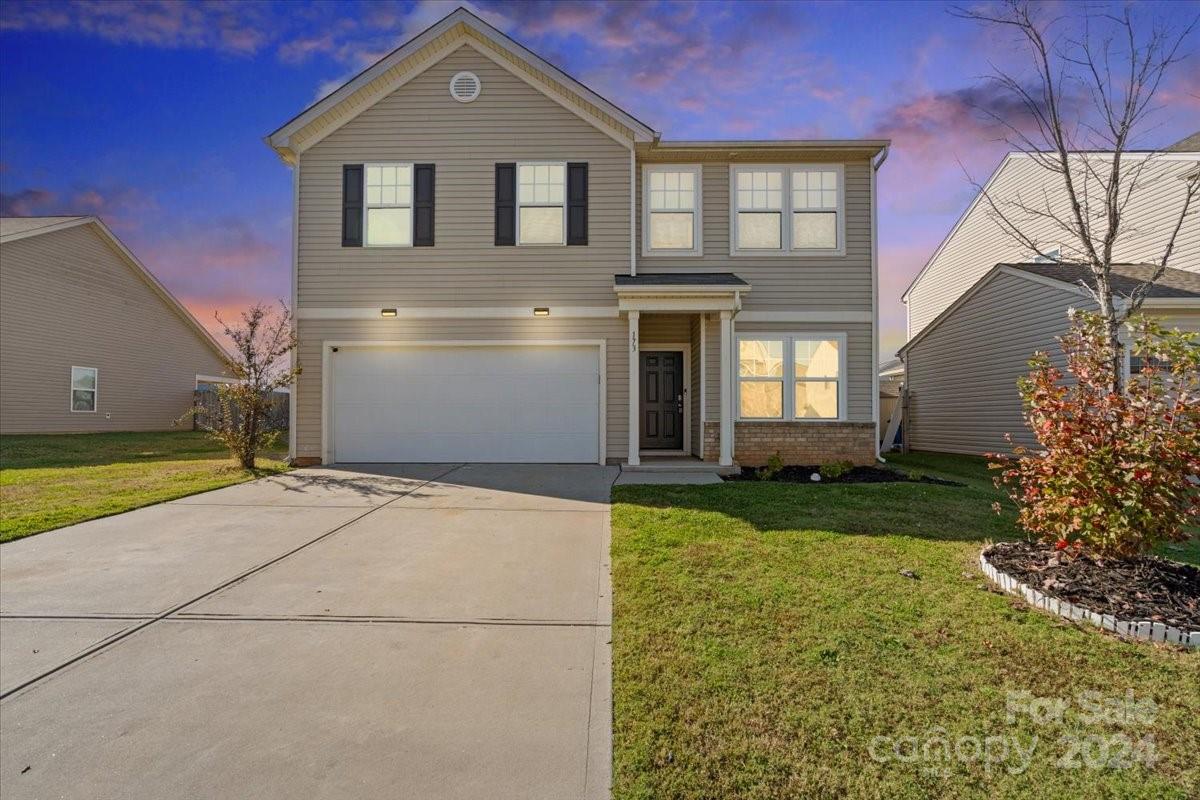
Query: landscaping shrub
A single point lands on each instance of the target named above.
(1114, 472)
(835, 470)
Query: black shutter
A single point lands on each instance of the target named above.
(506, 204)
(423, 205)
(577, 199)
(352, 205)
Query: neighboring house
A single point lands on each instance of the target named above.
(491, 261)
(89, 339)
(962, 368)
(978, 311)
(977, 241)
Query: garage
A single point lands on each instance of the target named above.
(457, 402)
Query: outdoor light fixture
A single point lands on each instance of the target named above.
(541, 312)
(387, 312)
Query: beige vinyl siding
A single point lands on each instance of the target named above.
(712, 368)
(68, 298)
(826, 283)
(980, 243)
(313, 333)
(422, 123)
(962, 375)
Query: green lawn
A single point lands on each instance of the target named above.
(50, 481)
(763, 638)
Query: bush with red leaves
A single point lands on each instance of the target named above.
(1115, 471)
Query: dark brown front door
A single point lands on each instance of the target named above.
(662, 400)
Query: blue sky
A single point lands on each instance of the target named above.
(152, 114)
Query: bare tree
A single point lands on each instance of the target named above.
(258, 367)
(1089, 102)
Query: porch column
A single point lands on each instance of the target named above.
(635, 391)
(726, 382)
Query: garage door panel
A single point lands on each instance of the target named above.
(509, 403)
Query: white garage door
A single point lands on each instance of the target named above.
(490, 404)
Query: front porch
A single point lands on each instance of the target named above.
(680, 329)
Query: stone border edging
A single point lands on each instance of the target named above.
(1149, 631)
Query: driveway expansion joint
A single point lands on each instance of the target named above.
(147, 622)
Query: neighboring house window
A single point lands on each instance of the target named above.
(389, 205)
(793, 210)
(83, 388)
(672, 198)
(812, 365)
(541, 203)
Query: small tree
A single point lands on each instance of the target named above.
(261, 343)
(1115, 471)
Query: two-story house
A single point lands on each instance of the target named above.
(980, 308)
(495, 263)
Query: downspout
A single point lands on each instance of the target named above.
(875, 165)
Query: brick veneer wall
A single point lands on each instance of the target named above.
(796, 442)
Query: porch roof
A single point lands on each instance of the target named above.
(680, 291)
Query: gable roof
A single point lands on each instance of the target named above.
(1125, 278)
(1176, 152)
(1175, 284)
(426, 49)
(16, 228)
(1188, 144)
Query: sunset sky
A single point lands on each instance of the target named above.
(152, 115)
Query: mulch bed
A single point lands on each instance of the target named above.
(1145, 588)
(803, 474)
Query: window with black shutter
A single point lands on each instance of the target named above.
(423, 183)
(506, 204)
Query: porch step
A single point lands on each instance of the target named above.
(682, 465)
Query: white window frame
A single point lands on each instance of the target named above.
(697, 249)
(517, 200)
(785, 233)
(95, 392)
(410, 205)
(789, 375)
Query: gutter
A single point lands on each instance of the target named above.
(875, 165)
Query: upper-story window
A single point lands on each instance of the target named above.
(389, 205)
(793, 210)
(541, 203)
(671, 202)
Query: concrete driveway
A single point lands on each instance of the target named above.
(415, 631)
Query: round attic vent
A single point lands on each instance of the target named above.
(465, 86)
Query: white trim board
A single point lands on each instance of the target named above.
(327, 346)
(805, 316)
(456, 312)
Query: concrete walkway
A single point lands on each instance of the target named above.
(425, 631)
